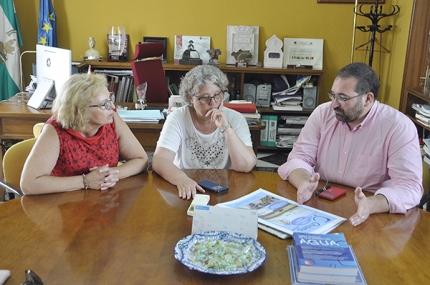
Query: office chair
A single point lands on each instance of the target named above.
(13, 163)
(37, 128)
(148, 67)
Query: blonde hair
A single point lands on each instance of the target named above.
(70, 107)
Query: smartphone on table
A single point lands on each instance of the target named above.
(212, 187)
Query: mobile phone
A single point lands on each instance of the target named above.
(212, 186)
(332, 193)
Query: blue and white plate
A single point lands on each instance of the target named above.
(184, 253)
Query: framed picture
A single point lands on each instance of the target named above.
(352, 1)
(158, 39)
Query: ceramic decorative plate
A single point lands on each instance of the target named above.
(230, 253)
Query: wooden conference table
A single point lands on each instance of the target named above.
(127, 235)
(17, 121)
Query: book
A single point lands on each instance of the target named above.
(324, 254)
(141, 116)
(287, 108)
(242, 107)
(423, 118)
(359, 278)
(273, 125)
(285, 215)
(264, 133)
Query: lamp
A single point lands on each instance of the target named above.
(20, 69)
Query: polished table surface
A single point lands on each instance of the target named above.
(127, 235)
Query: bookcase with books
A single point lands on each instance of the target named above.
(238, 76)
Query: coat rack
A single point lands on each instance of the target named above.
(375, 15)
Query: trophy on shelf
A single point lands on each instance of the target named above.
(214, 53)
(117, 41)
(242, 57)
(190, 55)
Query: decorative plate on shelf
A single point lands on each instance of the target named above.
(220, 253)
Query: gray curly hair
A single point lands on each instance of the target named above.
(200, 76)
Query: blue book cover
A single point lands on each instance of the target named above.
(324, 254)
(300, 278)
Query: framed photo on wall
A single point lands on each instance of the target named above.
(158, 39)
(352, 1)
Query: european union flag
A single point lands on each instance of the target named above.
(47, 31)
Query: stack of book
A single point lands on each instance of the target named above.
(248, 110)
(289, 128)
(422, 114)
(323, 259)
(287, 102)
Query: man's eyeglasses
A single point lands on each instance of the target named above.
(340, 99)
(105, 105)
(207, 99)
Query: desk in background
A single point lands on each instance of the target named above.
(127, 235)
(17, 121)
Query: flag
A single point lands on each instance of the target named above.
(47, 29)
(10, 41)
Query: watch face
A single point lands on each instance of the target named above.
(274, 55)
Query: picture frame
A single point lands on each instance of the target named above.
(158, 39)
(352, 1)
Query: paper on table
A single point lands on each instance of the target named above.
(209, 218)
(4, 275)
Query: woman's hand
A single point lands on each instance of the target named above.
(218, 117)
(102, 177)
(187, 188)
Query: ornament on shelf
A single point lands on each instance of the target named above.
(92, 54)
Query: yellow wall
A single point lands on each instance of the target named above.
(79, 19)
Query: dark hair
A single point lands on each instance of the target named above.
(367, 80)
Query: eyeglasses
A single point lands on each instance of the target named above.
(106, 104)
(207, 99)
(341, 100)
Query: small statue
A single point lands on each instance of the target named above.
(213, 53)
(242, 57)
(92, 54)
(190, 55)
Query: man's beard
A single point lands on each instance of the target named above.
(352, 115)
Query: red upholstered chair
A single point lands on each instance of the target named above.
(147, 67)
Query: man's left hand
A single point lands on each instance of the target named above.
(363, 210)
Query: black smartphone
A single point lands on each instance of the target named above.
(212, 186)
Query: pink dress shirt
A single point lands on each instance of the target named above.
(382, 154)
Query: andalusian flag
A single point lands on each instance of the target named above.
(10, 40)
(47, 30)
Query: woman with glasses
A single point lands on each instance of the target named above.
(203, 134)
(80, 145)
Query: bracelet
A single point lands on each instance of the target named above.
(225, 128)
(86, 186)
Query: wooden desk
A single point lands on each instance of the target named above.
(127, 235)
(17, 121)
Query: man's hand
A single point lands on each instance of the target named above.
(363, 210)
(307, 188)
(367, 206)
